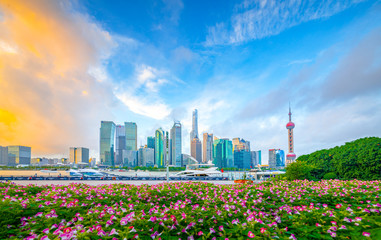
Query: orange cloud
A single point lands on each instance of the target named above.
(48, 100)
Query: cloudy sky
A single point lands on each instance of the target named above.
(67, 65)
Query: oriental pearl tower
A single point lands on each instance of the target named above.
(290, 126)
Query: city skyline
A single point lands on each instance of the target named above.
(65, 66)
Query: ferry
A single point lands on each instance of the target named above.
(199, 171)
(86, 172)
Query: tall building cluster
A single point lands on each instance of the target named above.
(15, 155)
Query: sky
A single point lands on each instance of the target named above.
(67, 65)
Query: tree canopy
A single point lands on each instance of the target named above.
(359, 159)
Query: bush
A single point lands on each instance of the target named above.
(330, 175)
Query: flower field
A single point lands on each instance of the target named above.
(194, 210)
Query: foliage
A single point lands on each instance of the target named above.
(325, 209)
(359, 159)
(330, 175)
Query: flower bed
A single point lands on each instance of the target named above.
(281, 210)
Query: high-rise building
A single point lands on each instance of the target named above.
(240, 144)
(194, 132)
(207, 147)
(151, 142)
(79, 155)
(196, 150)
(146, 157)
(242, 159)
(130, 158)
(131, 136)
(107, 143)
(256, 158)
(120, 143)
(291, 156)
(22, 154)
(3, 156)
(276, 158)
(159, 148)
(175, 145)
(223, 153)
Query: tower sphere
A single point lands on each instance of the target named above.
(290, 125)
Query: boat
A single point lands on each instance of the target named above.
(49, 171)
(86, 172)
(199, 171)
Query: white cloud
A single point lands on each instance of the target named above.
(145, 106)
(257, 19)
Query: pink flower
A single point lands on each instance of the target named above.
(338, 205)
(46, 230)
(263, 230)
(113, 231)
(250, 234)
(366, 234)
(212, 230)
(67, 230)
(318, 225)
(200, 233)
(221, 228)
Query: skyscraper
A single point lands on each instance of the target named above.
(3, 156)
(276, 158)
(151, 142)
(290, 126)
(120, 145)
(242, 159)
(107, 143)
(256, 158)
(207, 147)
(196, 151)
(175, 145)
(21, 154)
(146, 157)
(240, 144)
(131, 136)
(159, 148)
(79, 155)
(194, 132)
(223, 153)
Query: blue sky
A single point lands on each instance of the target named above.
(238, 62)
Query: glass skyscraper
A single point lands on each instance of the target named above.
(207, 147)
(223, 153)
(151, 142)
(120, 145)
(242, 159)
(21, 154)
(159, 148)
(175, 145)
(107, 143)
(131, 136)
(79, 155)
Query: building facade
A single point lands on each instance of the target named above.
(21, 154)
(175, 145)
(3, 156)
(151, 142)
(131, 136)
(276, 158)
(242, 159)
(120, 143)
(291, 156)
(196, 151)
(256, 158)
(194, 132)
(79, 155)
(159, 148)
(107, 143)
(240, 144)
(223, 153)
(207, 147)
(146, 157)
(130, 158)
